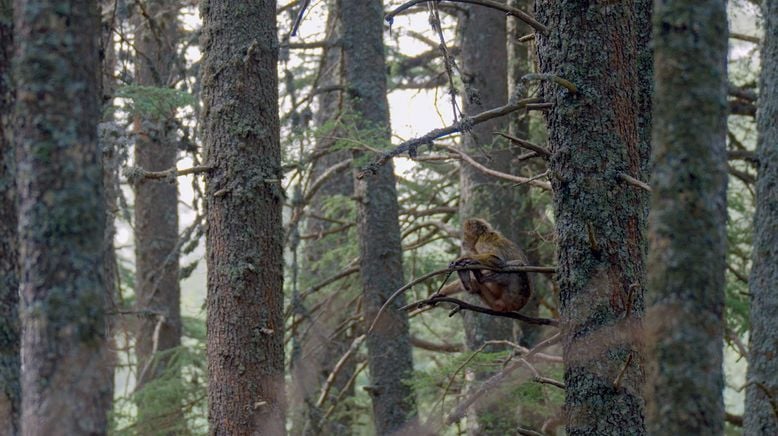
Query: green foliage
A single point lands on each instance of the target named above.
(152, 101)
(175, 402)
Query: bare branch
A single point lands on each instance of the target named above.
(518, 13)
(410, 146)
(473, 308)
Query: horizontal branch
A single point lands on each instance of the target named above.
(744, 37)
(508, 10)
(461, 305)
(140, 173)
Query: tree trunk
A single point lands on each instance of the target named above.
(687, 225)
(61, 216)
(10, 365)
(594, 140)
(156, 214)
(389, 349)
(525, 212)
(318, 345)
(761, 412)
(485, 75)
(244, 236)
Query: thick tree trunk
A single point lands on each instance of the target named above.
(156, 212)
(61, 216)
(389, 349)
(688, 219)
(761, 414)
(10, 365)
(485, 75)
(594, 140)
(245, 236)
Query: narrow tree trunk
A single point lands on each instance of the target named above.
(244, 237)
(61, 216)
(10, 390)
(761, 412)
(594, 140)
(525, 212)
(485, 75)
(688, 219)
(156, 213)
(389, 349)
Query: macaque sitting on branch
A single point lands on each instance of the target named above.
(482, 245)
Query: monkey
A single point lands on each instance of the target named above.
(501, 291)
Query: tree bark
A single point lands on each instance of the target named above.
(761, 411)
(389, 348)
(61, 216)
(10, 365)
(687, 224)
(244, 237)
(156, 213)
(593, 138)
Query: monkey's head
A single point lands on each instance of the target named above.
(476, 227)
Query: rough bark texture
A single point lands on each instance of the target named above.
(593, 136)
(157, 288)
(318, 345)
(244, 236)
(389, 349)
(687, 225)
(10, 390)
(485, 73)
(61, 216)
(761, 412)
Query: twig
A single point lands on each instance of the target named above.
(337, 368)
(299, 18)
(432, 346)
(744, 37)
(518, 13)
(634, 182)
(617, 382)
(471, 307)
(549, 381)
(543, 151)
